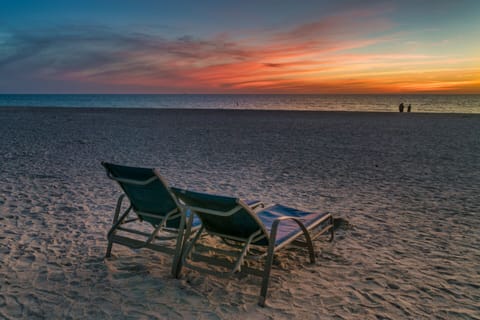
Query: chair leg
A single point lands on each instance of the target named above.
(268, 265)
(266, 278)
(176, 265)
(115, 223)
(108, 254)
(332, 231)
(187, 248)
(182, 232)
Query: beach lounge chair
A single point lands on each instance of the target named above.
(151, 202)
(245, 231)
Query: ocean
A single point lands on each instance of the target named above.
(357, 103)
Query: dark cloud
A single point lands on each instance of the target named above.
(273, 65)
(74, 48)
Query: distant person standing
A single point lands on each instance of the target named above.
(409, 108)
(401, 107)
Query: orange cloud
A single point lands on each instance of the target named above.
(340, 54)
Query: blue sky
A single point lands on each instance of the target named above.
(239, 47)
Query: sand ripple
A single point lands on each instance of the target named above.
(404, 190)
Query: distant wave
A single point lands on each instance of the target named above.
(360, 103)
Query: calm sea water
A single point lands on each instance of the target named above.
(365, 103)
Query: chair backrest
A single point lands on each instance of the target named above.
(147, 191)
(224, 215)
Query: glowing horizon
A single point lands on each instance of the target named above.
(347, 49)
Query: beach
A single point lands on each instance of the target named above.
(403, 187)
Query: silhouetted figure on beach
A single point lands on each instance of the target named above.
(401, 107)
(409, 108)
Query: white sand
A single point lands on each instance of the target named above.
(408, 184)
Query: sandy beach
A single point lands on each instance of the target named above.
(405, 187)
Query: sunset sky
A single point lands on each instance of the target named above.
(135, 46)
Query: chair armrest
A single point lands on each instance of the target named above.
(276, 223)
(254, 204)
(306, 233)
